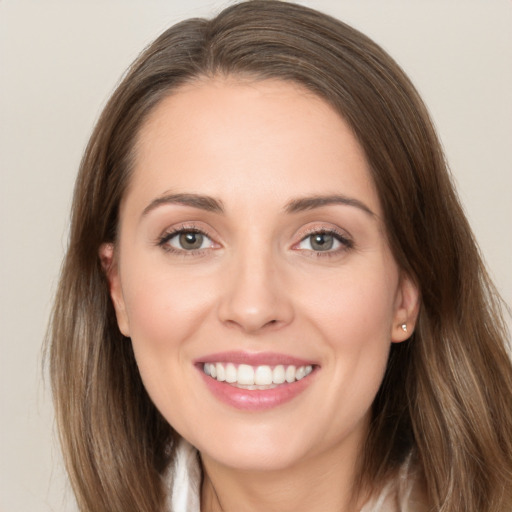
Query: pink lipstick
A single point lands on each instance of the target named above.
(255, 381)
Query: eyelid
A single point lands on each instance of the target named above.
(342, 236)
(170, 232)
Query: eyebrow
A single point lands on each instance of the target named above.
(201, 202)
(211, 204)
(310, 203)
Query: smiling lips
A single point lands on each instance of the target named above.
(255, 382)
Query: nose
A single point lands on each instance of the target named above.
(255, 295)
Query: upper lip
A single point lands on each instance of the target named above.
(254, 358)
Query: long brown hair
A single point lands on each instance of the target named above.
(447, 394)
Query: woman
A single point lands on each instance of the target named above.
(272, 299)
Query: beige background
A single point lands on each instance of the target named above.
(59, 60)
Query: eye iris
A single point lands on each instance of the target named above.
(191, 241)
(322, 242)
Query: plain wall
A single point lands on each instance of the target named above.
(60, 60)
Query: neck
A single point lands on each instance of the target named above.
(321, 483)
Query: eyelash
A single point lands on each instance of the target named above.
(163, 241)
(345, 242)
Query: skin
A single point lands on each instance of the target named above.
(257, 285)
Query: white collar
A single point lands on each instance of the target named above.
(184, 488)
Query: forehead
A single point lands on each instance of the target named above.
(227, 136)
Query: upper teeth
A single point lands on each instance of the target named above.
(263, 375)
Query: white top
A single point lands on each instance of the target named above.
(184, 490)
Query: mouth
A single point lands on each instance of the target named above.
(256, 382)
(261, 377)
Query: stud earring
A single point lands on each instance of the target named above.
(404, 327)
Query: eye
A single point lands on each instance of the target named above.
(319, 242)
(324, 241)
(186, 240)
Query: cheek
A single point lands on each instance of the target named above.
(354, 320)
(355, 307)
(164, 313)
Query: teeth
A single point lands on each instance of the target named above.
(245, 375)
(278, 375)
(221, 372)
(231, 373)
(263, 376)
(289, 374)
(251, 377)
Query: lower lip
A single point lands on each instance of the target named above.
(256, 399)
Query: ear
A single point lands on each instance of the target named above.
(111, 269)
(407, 307)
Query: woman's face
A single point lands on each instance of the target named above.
(252, 247)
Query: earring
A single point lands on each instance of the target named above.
(404, 327)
